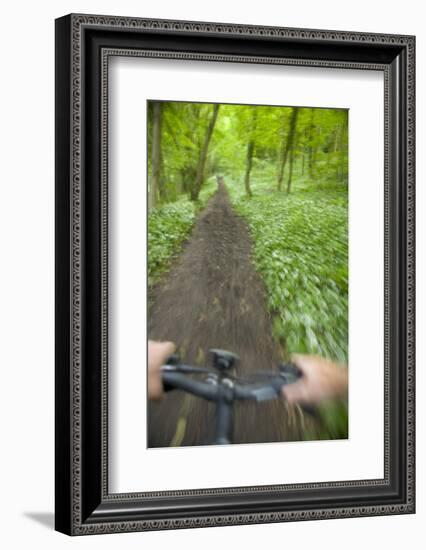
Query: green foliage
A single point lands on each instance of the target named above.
(168, 227)
(334, 417)
(182, 135)
(300, 248)
(319, 149)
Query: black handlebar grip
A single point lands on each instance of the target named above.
(196, 387)
(290, 372)
(293, 371)
(173, 359)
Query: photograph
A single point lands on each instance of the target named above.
(247, 273)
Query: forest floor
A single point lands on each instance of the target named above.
(213, 297)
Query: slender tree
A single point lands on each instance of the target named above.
(343, 147)
(250, 151)
(203, 154)
(154, 183)
(287, 145)
(311, 144)
(290, 171)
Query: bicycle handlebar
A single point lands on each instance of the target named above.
(180, 381)
(222, 388)
(211, 389)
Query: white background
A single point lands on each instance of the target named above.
(132, 81)
(26, 301)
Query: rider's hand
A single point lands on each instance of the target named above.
(158, 353)
(322, 379)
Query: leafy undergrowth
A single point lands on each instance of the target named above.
(301, 251)
(169, 225)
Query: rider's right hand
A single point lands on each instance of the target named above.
(321, 380)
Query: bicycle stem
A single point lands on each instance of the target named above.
(224, 415)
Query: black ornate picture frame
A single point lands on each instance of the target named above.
(84, 43)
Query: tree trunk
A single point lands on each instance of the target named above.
(162, 192)
(287, 146)
(250, 151)
(283, 160)
(311, 147)
(249, 162)
(203, 155)
(290, 173)
(343, 161)
(156, 156)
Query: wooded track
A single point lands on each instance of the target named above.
(213, 298)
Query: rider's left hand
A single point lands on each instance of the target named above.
(158, 353)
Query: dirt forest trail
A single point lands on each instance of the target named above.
(213, 297)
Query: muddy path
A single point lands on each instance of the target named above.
(213, 298)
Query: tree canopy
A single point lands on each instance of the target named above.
(190, 142)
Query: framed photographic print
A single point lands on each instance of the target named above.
(234, 274)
